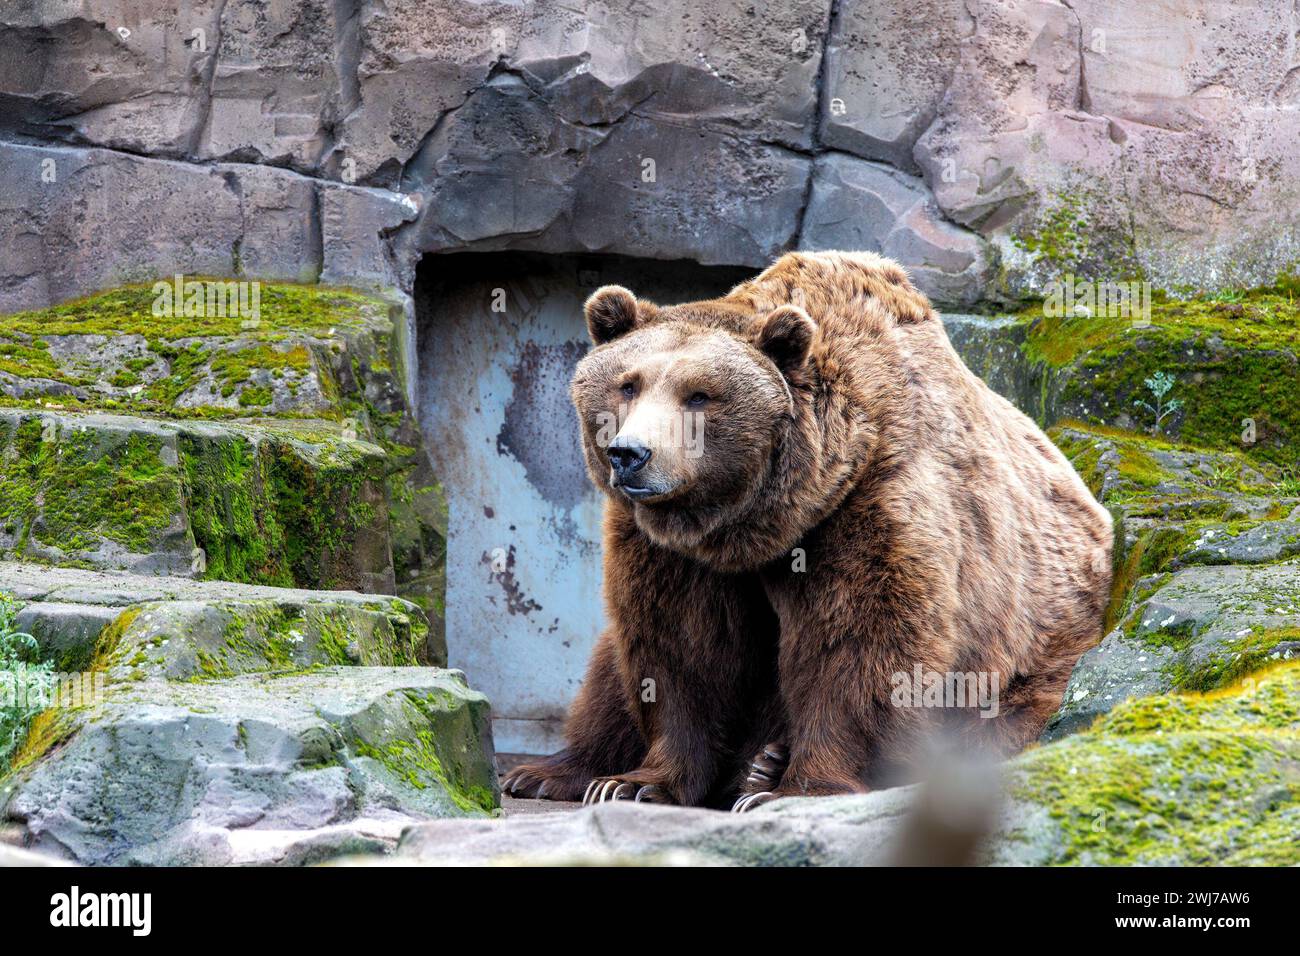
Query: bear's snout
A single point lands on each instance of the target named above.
(627, 457)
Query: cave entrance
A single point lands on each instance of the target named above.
(499, 335)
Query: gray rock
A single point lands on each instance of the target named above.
(887, 68)
(1134, 790)
(57, 230)
(659, 190)
(355, 224)
(525, 126)
(16, 856)
(835, 831)
(183, 629)
(1116, 669)
(1261, 543)
(869, 206)
(1201, 629)
(65, 632)
(1179, 477)
(993, 348)
(32, 582)
(277, 84)
(61, 207)
(1056, 108)
(128, 76)
(719, 67)
(256, 770)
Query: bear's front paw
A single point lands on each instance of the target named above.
(767, 769)
(549, 779)
(609, 789)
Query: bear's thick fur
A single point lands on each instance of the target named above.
(862, 516)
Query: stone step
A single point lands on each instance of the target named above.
(1199, 629)
(254, 769)
(215, 722)
(138, 626)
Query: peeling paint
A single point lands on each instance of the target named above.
(540, 428)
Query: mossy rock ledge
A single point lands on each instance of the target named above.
(1207, 569)
(223, 723)
(1233, 359)
(276, 450)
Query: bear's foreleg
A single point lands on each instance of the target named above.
(842, 719)
(698, 653)
(705, 693)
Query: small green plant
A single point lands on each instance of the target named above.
(1159, 385)
(1228, 295)
(1288, 485)
(1223, 475)
(25, 683)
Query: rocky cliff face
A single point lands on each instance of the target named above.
(987, 144)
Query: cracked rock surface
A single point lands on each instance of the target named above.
(292, 140)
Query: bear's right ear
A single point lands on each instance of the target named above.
(611, 312)
(785, 337)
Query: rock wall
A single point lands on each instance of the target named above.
(985, 143)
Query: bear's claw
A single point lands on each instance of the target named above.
(608, 790)
(766, 771)
(652, 794)
(751, 800)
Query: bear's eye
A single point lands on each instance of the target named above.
(628, 389)
(697, 399)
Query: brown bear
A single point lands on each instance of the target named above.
(814, 510)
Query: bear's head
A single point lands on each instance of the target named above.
(684, 410)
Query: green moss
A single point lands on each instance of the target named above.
(1059, 236)
(1232, 362)
(48, 729)
(419, 759)
(232, 514)
(1197, 491)
(1176, 638)
(279, 512)
(265, 640)
(56, 724)
(187, 350)
(1233, 661)
(71, 489)
(256, 396)
(33, 361)
(1177, 779)
(129, 310)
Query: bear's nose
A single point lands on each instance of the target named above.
(627, 457)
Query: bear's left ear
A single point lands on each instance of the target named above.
(611, 312)
(785, 337)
